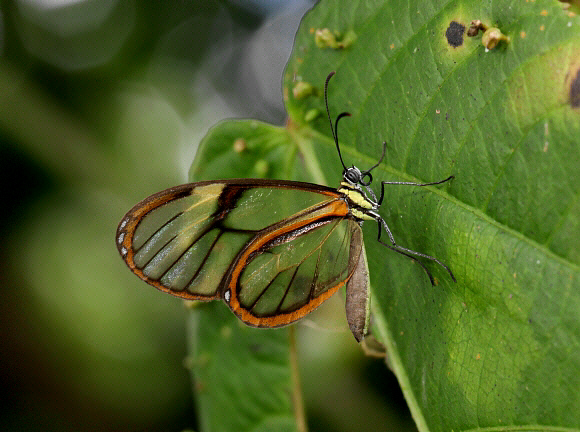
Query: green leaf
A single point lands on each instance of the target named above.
(244, 378)
(241, 375)
(501, 347)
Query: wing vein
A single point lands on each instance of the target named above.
(315, 276)
(155, 233)
(263, 292)
(287, 290)
(205, 258)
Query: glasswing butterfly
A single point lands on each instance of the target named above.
(273, 250)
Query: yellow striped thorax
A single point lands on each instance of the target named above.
(358, 199)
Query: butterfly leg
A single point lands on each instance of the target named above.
(408, 252)
(412, 257)
(393, 246)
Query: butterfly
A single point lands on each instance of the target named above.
(272, 250)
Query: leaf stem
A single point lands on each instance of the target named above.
(299, 413)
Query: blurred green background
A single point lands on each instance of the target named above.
(102, 103)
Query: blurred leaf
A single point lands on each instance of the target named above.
(83, 313)
(252, 149)
(499, 348)
(84, 342)
(241, 375)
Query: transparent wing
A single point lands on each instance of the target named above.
(284, 277)
(186, 240)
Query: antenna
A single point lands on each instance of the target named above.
(334, 129)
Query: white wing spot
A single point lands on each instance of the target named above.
(121, 238)
(123, 223)
(123, 251)
(227, 296)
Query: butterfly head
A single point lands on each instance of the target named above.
(356, 177)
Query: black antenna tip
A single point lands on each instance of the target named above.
(330, 75)
(333, 129)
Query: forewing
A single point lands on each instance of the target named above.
(184, 240)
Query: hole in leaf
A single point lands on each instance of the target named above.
(454, 34)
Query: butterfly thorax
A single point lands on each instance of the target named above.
(359, 204)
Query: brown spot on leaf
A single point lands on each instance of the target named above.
(454, 34)
(575, 91)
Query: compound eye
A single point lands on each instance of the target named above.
(352, 176)
(368, 182)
